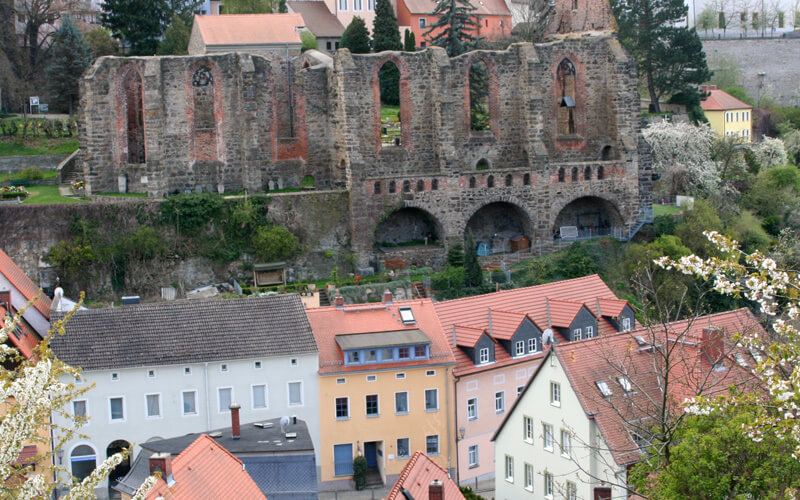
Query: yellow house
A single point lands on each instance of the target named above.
(728, 116)
(385, 388)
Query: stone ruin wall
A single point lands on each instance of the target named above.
(254, 140)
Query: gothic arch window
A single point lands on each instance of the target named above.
(377, 187)
(389, 94)
(420, 185)
(600, 173)
(435, 185)
(204, 123)
(574, 174)
(133, 108)
(406, 187)
(472, 182)
(565, 85)
(509, 180)
(587, 174)
(526, 180)
(561, 174)
(479, 110)
(490, 181)
(392, 187)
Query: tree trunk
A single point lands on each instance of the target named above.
(651, 89)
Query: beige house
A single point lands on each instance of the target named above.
(319, 20)
(262, 34)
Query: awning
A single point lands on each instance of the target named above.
(382, 339)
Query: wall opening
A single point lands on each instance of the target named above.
(406, 187)
(495, 225)
(607, 153)
(479, 118)
(526, 180)
(392, 186)
(490, 181)
(587, 174)
(600, 173)
(124, 467)
(308, 182)
(483, 164)
(561, 174)
(132, 89)
(391, 116)
(204, 119)
(472, 182)
(574, 174)
(565, 83)
(82, 461)
(377, 187)
(408, 227)
(592, 216)
(509, 180)
(435, 185)
(420, 185)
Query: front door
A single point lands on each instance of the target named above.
(371, 453)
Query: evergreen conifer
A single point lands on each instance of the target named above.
(356, 37)
(454, 27)
(70, 58)
(409, 41)
(385, 33)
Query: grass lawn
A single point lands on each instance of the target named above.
(46, 174)
(44, 194)
(665, 209)
(123, 195)
(38, 146)
(389, 111)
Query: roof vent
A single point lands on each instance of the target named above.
(130, 300)
(215, 434)
(640, 340)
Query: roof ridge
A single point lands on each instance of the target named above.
(517, 290)
(403, 475)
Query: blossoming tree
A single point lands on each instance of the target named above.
(32, 390)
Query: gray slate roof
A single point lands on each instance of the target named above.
(186, 331)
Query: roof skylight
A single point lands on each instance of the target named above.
(407, 316)
(640, 340)
(605, 390)
(625, 383)
(740, 359)
(756, 355)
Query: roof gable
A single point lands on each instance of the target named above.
(415, 479)
(250, 29)
(719, 100)
(23, 284)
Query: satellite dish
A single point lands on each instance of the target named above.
(547, 336)
(284, 423)
(57, 294)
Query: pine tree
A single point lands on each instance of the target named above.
(356, 37)
(139, 23)
(176, 38)
(70, 56)
(474, 273)
(409, 41)
(454, 27)
(385, 33)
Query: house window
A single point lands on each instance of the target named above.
(529, 477)
(353, 357)
(343, 5)
(547, 434)
(189, 399)
(605, 390)
(625, 383)
(401, 402)
(343, 459)
(117, 408)
(151, 374)
(520, 389)
(372, 378)
(341, 380)
(626, 324)
(257, 365)
(79, 408)
(342, 408)
(371, 5)
(472, 408)
(431, 399)
(472, 455)
(83, 461)
(430, 373)
(548, 485)
(153, 405)
(572, 491)
(483, 355)
(420, 351)
(403, 353)
(403, 448)
(115, 376)
(224, 398)
(357, 5)
(577, 334)
(565, 443)
(223, 368)
(509, 469)
(187, 370)
(432, 445)
(372, 405)
(499, 402)
(565, 84)
(555, 394)
(527, 429)
(520, 348)
(295, 390)
(423, 44)
(328, 47)
(399, 375)
(422, 22)
(532, 347)
(371, 356)
(589, 332)
(259, 400)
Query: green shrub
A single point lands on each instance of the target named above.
(360, 472)
(190, 212)
(274, 243)
(31, 173)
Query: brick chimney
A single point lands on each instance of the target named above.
(436, 490)
(712, 344)
(5, 301)
(235, 428)
(705, 89)
(161, 462)
(387, 297)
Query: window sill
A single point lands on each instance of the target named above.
(557, 404)
(564, 455)
(433, 454)
(375, 415)
(401, 413)
(529, 441)
(473, 466)
(190, 414)
(342, 418)
(548, 449)
(510, 480)
(432, 410)
(498, 412)
(470, 419)
(529, 488)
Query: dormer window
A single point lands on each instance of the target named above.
(519, 348)
(626, 324)
(420, 351)
(353, 357)
(605, 390)
(533, 345)
(407, 316)
(403, 353)
(483, 355)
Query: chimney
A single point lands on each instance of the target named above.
(436, 490)
(161, 462)
(338, 301)
(712, 343)
(705, 89)
(387, 297)
(5, 301)
(235, 428)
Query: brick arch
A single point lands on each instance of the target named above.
(579, 139)
(558, 206)
(522, 207)
(130, 136)
(493, 97)
(419, 210)
(406, 109)
(205, 130)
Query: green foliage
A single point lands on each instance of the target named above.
(707, 20)
(101, 43)
(702, 217)
(139, 23)
(577, 262)
(250, 6)
(72, 258)
(455, 28)
(176, 38)
(691, 99)
(469, 494)
(31, 174)
(307, 181)
(478, 96)
(455, 255)
(473, 271)
(309, 40)
(749, 232)
(274, 243)
(773, 196)
(451, 277)
(360, 472)
(190, 212)
(739, 93)
(356, 37)
(713, 459)
(385, 33)
(409, 41)
(70, 56)
(664, 224)
(389, 76)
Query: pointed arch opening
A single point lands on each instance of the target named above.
(479, 110)
(565, 83)
(131, 106)
(390, 105)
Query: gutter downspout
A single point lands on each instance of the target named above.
(455, 397)
(449, 440)
(208, 405)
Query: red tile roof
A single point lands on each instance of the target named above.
(207, 470)
(250, 29)
(26, 341)
(505, 323)
(26, 455)
(24, 284)
(468, 336)
(611, 307)
(420, 471)
(328, 322)
(719, 100)
(482, 7)
(563, 312)
(565, 297)
(607, 357)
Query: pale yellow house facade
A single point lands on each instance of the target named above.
(728, 116)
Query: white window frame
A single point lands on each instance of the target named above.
(547, 436)
(520, 388)
(187, 370)
(438, 445)
(430, 373)
(257, 365)
(474, 413)
(85, 409)
(533, 345)
(571, 491)
(151, 373)
(372, 378)
(115, 376)
(589, 332)
(566, 443)
(371, 5)
(408, 448)
(219, 401)
(509, 468)
(343, 5)
(253, 396)
(336, 408)
(224, 368)
(577, 334)
(196, 403)
(499, 397)
(528, 477)
(408, 403)
(436, 392)
(483, 355)
(358, 5)
(423, 23)
(626, 324)
(147, 407)
(472, 456)
(124, 410)
(548, 485)
(289, 393)
(294, 362)
(520, 348)
(625, 383)
(555, 394)
(527, 429)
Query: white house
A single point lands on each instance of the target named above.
(166, 369)
(583, 417)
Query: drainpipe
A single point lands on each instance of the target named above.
(449, 439)
(455, 397)
(208, 404)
